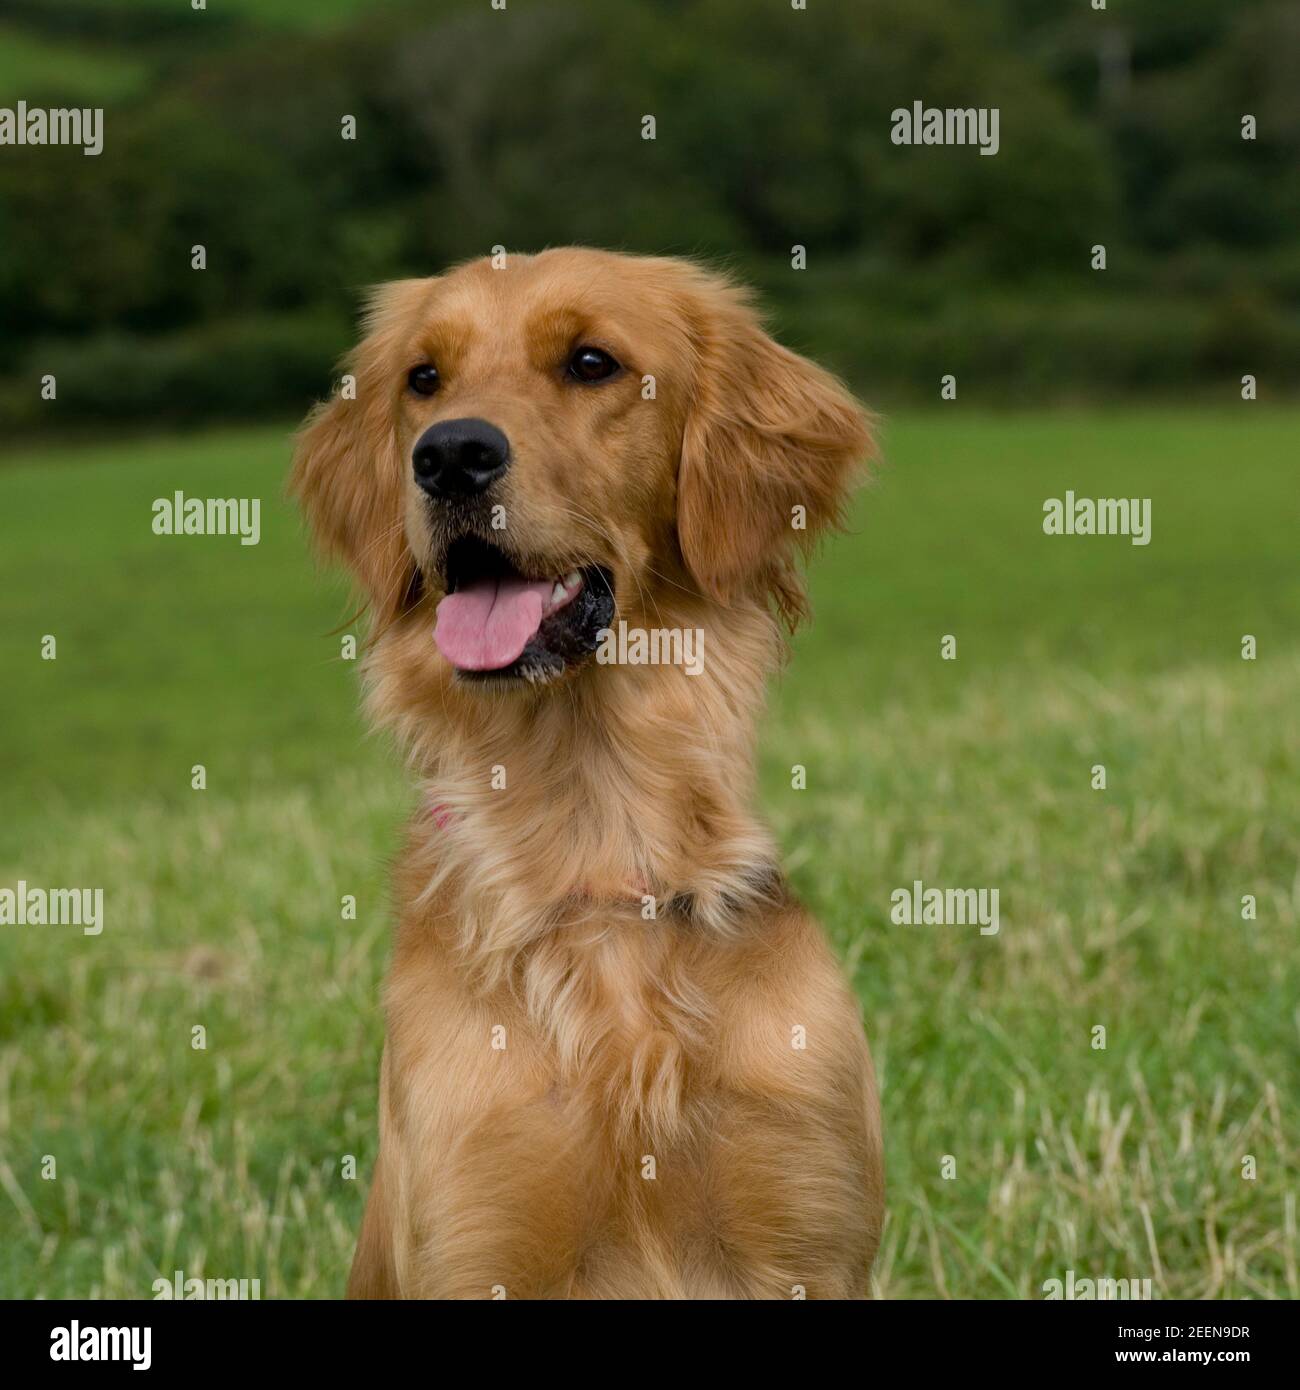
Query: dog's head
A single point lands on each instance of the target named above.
(529, 447)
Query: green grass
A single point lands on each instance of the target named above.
(1118, 908)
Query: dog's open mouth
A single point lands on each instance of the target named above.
(496, 622)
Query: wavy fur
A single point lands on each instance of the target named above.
(576, 1101)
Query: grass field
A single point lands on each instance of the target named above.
(1119, 908)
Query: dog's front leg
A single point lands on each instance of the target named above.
(374, 1265)
(373, 1271)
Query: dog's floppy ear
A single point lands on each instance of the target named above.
(770, 449)
(346, 474)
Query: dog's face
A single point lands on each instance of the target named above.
(540, 479)
(537, 446)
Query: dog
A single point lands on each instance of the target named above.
(620, 1060)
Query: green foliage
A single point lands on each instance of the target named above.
(34, 65)
(226, 369)
(523, 127)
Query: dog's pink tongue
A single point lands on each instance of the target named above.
(486, 625)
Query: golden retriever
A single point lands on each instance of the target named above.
(620, 1060)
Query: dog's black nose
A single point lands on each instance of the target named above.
(459, 458)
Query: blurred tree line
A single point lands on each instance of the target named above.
(1120, 127)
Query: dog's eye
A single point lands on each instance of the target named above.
(591, 364)
(423, 380)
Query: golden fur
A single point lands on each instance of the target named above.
(577, 1102)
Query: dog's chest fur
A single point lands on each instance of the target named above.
(642, 1109)
(582, 1101)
